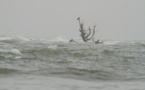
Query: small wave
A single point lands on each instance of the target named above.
(54, 50)
(7, 71)
(142, 44)
(5, 38)
(107, 52)
(13, 51)
(16, 51)
(54, 47)
(80, 73)
(93, 74)
(14, 40)
(46, 51)
(11, 54)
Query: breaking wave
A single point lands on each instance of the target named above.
(12, 53)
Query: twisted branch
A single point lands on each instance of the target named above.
(86, 34)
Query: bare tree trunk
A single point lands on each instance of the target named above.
(86, 35)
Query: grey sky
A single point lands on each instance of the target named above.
(115, 19)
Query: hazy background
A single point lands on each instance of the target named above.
(115, 19)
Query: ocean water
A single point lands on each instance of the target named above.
(56, 64)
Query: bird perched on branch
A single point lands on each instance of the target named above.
(78, 18)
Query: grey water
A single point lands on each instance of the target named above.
(56, 64)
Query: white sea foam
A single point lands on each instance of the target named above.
(14, 51)
(52, 47)
(5, 38)
(110, 42)
(58, 39)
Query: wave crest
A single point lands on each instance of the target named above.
(7, 71)
(12, 53)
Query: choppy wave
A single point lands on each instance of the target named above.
(12, 53)
(116, 60)
(7, 71)
(58, 39)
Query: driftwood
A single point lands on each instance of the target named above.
(72, 40)
(97, 42)
(86, 35)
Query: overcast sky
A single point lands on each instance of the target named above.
(115, 19)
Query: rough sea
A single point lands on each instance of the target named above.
(56, 64)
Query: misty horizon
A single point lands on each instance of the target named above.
(116, 20)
